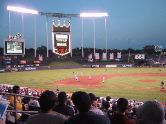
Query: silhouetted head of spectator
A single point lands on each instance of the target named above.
(92, 97)
(62, 98)
(106, 105)
(9, 90)
(25, 100)
(16, 89)
(81, 101)
(108, 98)
(151, 112)
(47, 101)
(122, 105)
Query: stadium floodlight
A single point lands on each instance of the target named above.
(22, 10)
(93, 15)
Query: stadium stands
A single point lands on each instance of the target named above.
(108, 106)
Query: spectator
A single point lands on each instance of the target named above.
(151, 112)
(15, 102)
(120, 117)
(108, 98)
(47, 115)
(82, 102)
(62, 107)
(94, 103)
(16, 90)
(34, 105)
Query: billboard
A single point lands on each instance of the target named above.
(23, 62)
(7, 62)
(14, 48)
(61, 39)
(139, 56)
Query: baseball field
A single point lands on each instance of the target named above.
(134, 83)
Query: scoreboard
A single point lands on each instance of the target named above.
(14, 45)
(61, 40)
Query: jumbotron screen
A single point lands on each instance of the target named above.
(14, 48)
(61, 40)
(61, 43)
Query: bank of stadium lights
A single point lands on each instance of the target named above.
(22, 10)
(88, 15)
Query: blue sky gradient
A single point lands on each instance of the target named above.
(131, 23)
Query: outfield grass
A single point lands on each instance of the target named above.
(128, 87)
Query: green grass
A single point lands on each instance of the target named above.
(129, 87)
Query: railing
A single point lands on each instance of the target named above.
(15, 111)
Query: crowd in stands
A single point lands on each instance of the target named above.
(23, 90)
(57, 107)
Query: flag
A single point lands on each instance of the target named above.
(119, 55)
(97, 56)
(111, 56)
(104, 56)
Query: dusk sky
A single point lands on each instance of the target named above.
(131, 23)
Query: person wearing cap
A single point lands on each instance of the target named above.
(94, 103)
(151, 112)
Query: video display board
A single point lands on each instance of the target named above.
(14, 48)
(61, 43)
(61, 39)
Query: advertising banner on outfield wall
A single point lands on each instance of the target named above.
(110, 66)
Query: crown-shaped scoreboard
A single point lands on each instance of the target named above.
(61, 38)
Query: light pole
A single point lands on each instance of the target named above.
(22, 10)
(47, 34)
(9, 25)
(22, 24)
(94, 38)
(35, 35)
(106, 40)
(82, 38)
(93, 15)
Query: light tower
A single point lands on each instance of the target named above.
(93, 16)
(23, 10)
